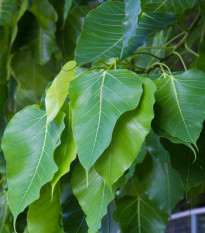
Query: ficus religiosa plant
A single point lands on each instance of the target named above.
(116, 140)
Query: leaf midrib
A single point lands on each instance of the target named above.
(179, 107)
(44, 143)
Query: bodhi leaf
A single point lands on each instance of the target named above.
(137, 27)
(182, 159)
(6, 7)
(128, 136)
(44, 215)
(140, 215)
(68, 35)
(154, 174)
(65, 153)
(38, 75)
(58, 91)
(67, 6)
(180, 98)
(98, 99)
(93, 198)
(102, 35)
(41, 41)
(28, 146)
(175, 6)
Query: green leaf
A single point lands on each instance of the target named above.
(182, 159)
(6, 7)
(162, 183)
(102, 33)
(65, 153)
(58, 91)
(44, 12)
(93, 198)
(200, 61)
(98, 99)
(44, 215)
(137, 27)
(167, 6)
(31, 75)
(180, 99)
(24, 98)
(28, 146)
(140, 215)
(41, 41)
(15, 19)
(68, 35)
(132, 127)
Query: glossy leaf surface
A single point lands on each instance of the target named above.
(140, 215)
(93, 198)
(97, 100)
(28, 145)
(44, 215)
(102, 35)
(65, 153)
(180, 99)
(58, 91)
(129, 133)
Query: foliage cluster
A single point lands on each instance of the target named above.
(116, 140)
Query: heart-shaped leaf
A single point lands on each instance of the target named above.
(97, 100)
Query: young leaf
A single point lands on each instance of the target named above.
(93, 198)
(58, 91)
(65, 153)
(98, 99)
(44, 215)
(180, 99)
(167, 6)
(129, 133)
(161, 182)
(140, 215)
(102, 35)
(6, 10)
(28, 146)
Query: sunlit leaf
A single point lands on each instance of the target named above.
(44, 215)
(58, 91)
(98, 99)
(28, 146)
(129, 133)
(65, 153)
